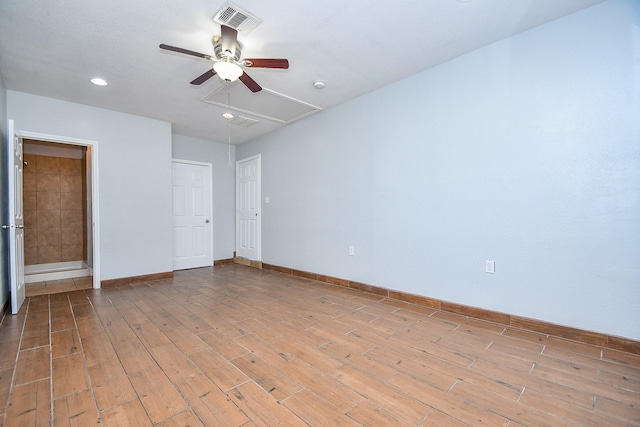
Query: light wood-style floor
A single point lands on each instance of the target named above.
(236, 346)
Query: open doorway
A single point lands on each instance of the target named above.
(55, 211)
(58, 187)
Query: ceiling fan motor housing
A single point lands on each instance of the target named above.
(219, 54)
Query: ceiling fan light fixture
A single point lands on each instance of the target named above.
(228, 70)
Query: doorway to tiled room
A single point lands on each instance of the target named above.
(56, 207)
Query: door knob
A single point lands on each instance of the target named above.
(206, 221)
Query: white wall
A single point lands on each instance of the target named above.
(525, 152)
(4, 195)
(134, 156)
(187, 148)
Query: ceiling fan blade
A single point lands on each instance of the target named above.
(185, 51)
(250, 83)
(229, 39)
(265, 63)
(204, 77)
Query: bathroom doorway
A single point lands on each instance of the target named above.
(58, 212)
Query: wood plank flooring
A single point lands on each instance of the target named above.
(236, 346)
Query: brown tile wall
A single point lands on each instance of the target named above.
(54, 212)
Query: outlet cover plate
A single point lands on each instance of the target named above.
(490, 267)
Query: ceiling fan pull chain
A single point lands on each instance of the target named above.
(229, 132)
(229, 117)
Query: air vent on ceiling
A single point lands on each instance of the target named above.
(232, 16)
(243, 121)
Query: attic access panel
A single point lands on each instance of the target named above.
(267, 104)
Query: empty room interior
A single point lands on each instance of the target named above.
(260, 213)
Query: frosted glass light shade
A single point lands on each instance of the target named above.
(227, 70)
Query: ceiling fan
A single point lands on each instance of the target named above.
(226, 60)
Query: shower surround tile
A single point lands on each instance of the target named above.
(55, 224)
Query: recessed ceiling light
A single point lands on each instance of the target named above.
(98, 81)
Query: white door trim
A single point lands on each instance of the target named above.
(210, 167)
(95, 204)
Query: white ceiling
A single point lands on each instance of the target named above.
(53, 47)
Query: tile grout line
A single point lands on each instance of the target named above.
(13, 374)
(84, 358)
(102, 327)
(50, 362)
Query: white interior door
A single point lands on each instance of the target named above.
(248, 214)
(192, 230)
(16, 227)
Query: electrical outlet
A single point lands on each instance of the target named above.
(490, 267)
(352, 251)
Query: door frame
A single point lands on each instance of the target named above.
(209, 166)
(95, 205)
(257, 157)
